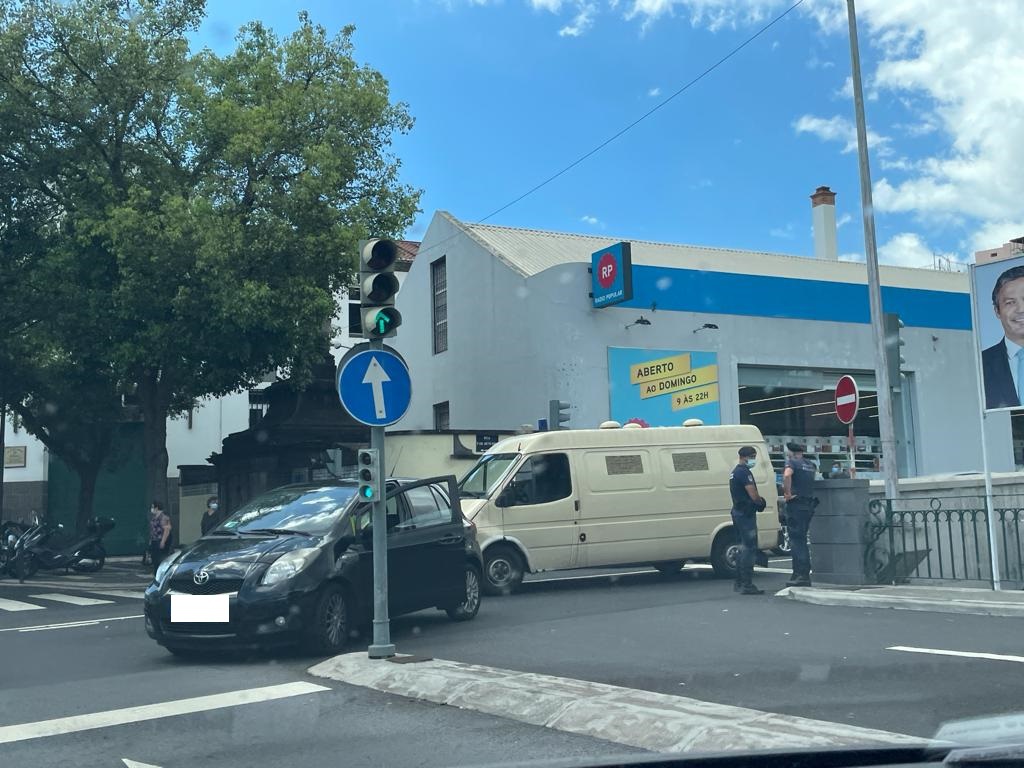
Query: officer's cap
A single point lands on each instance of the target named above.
(796, 447)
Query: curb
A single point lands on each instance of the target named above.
(863, 599)
(653, 721)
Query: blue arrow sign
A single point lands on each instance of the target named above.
(374, 387)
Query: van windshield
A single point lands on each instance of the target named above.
(487, 473)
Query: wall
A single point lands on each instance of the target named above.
(517, 342)
(212, 421)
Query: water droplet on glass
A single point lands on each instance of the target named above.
(663, 283)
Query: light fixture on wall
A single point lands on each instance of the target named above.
(639, 321)
(707, 327)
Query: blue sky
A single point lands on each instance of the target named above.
(507, 92)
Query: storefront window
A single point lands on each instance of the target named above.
(798, 406)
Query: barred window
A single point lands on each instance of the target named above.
(439, 286)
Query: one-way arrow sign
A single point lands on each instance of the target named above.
(374, 387)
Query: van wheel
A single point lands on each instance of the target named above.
(503, 570)
(667, 569)
(725, 554)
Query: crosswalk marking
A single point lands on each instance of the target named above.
(71, 599)
(18, 605)
(118, 593)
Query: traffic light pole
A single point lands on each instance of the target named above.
(382, 647)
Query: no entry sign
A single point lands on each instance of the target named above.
(847, 399)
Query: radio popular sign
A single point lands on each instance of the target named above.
(663, 387)
(611, 275)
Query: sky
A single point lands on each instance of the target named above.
(506, 93)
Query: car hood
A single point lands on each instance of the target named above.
(228, 557)
(471, 507)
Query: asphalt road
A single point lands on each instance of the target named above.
(687, 635)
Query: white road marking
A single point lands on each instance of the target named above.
(71, 599)
(136, 764)
(70, 624)
(17, 605)
(119, 593)
(94, 720)
(962, 654)
(687, 567)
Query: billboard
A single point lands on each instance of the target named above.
(611, 275)
(663, 387)
(998, 294)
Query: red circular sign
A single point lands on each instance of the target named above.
(606, 270)
(847, 399)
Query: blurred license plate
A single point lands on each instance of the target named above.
(199, 608)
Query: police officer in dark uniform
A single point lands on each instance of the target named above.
(746, 503)
(798, 488)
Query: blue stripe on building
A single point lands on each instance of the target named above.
(691, 290)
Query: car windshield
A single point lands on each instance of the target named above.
(488, 472)
(302, 510)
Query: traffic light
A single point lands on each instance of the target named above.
(558, 414)
(894, 360)
(369, 474)
(378, 285)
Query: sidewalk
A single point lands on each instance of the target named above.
(979, 602)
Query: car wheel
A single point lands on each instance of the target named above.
(725, 554)
(669, 568)
(92, 559)
(328, 631)
(469, 607)
(503, 570)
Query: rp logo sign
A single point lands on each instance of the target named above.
(606, 269)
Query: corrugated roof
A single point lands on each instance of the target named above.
(531, 251)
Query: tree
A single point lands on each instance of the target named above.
(217, 201)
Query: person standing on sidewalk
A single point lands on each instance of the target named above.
(746, 503)
(798, 489)
(159, 533)
(210, 518)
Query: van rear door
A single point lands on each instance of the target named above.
(540, 503)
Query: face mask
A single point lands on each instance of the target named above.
(214, 506)
(751, 463)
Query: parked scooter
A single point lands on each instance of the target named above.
(11, 532)
(39, 548)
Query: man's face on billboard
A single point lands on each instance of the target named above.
(1010, 310)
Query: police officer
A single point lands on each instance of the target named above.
(798, 489)
(746, 503)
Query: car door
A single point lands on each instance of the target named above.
(539, 508)
(430, 544)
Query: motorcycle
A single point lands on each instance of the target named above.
(10, 533)
(40, 548)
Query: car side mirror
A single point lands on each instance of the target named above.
(506, 497)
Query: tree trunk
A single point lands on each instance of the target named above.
(153, 402)
(87, 476)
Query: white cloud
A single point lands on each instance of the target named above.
(547, 5)
(843, 220)
(816, 63)
(908, 249)
(775, 45)
(582, 22)
(654, 92)
(593, 221)
(786, 232)
(839, 128)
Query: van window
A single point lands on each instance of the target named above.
(624, 465)
(690, 462)
(542, 479)
(487, 473)
(614, 472)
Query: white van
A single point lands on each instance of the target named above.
(612, 497)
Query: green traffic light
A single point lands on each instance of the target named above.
(367, 491)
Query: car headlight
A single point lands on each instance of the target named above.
(165, 568)
(287, 565)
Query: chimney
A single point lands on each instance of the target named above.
(823, 216)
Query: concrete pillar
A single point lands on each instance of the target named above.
(838, 532)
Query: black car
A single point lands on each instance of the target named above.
(296, 565)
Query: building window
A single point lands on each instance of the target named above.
(441, 417)
(439, 287)
(355, 319)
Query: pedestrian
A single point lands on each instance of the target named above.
(746, 503)
(798, 490)
(210, 518)
(159, 534)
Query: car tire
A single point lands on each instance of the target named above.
(670, 568)
(327, 633)
(470, 607)
(95, 556)
(724, 554)
(503, 570)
